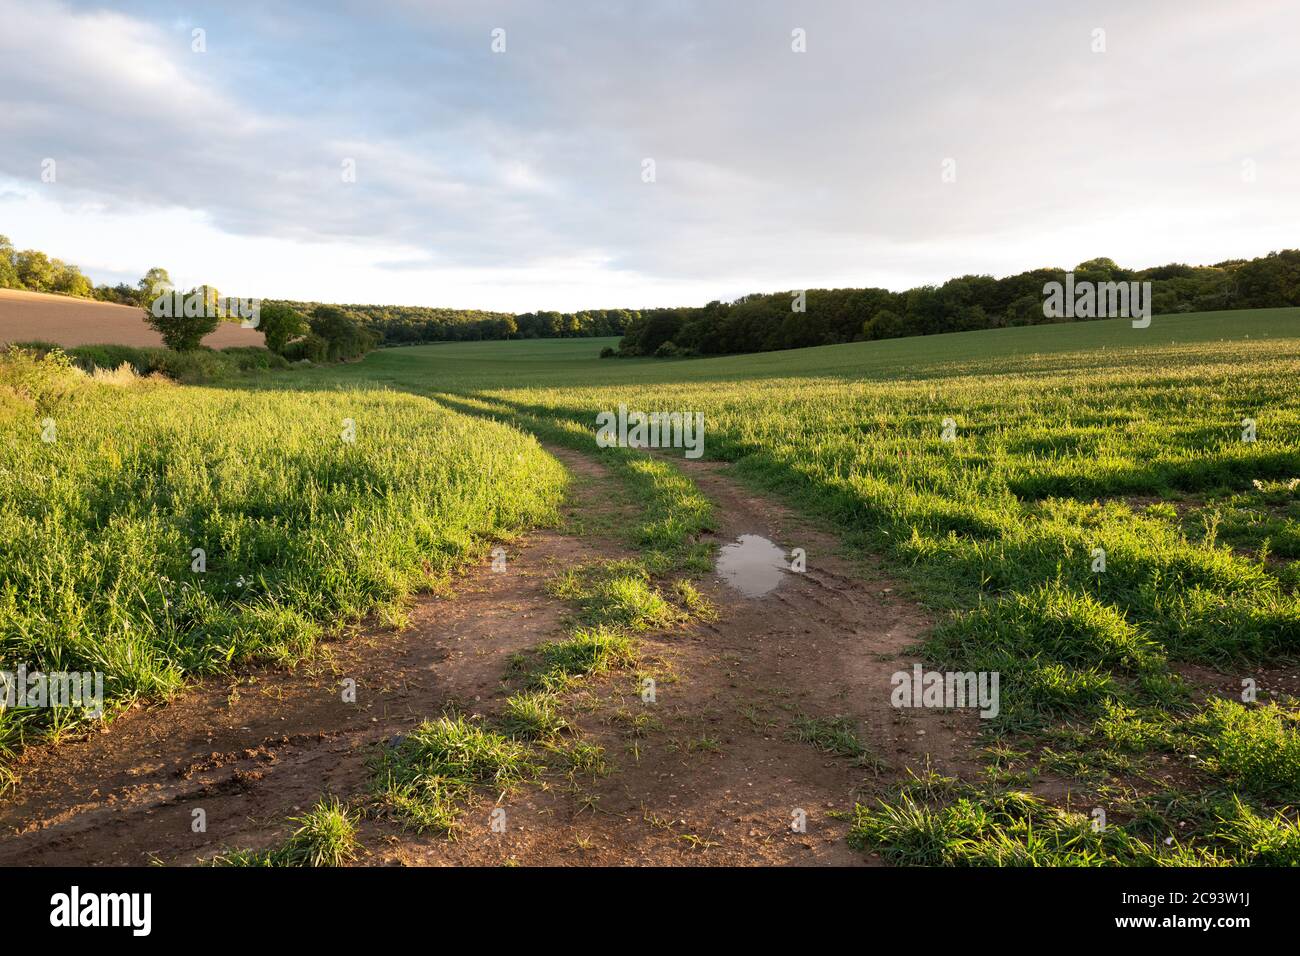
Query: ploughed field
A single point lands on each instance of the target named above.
(69, 321)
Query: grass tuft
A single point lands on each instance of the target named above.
(837, 736)
(428, 776)
(327, 836)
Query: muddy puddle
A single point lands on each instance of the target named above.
(752, 564)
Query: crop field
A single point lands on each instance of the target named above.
(165, 531)
(1107, 518)
(455, 439)
(1175, 450)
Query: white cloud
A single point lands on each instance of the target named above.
(513, 180)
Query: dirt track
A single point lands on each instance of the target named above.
(35, 316)
(715, 782)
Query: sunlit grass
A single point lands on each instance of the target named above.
(326, 836)
(170, 531)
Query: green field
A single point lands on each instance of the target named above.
(1066, 439)
(1069, 438)
(542, 362)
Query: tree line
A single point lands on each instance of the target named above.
(319, 333)
(34, 271)
(412, 325)
(753, 323)
(766, 322)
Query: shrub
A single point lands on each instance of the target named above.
(310, 348)
(32, 378)
(91, 357)
(253, 359)
(184, 333)
(280, 324)
(191, 367)
(344, 336)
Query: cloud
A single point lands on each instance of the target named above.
(774, 169)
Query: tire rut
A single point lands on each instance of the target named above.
(712, 777)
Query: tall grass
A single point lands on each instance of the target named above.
(101, 529)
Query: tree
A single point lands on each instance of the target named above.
(69, 280)
(8, 271)
(971, 318)
(310, 348)
(180, 331)
(155, 278)
(659, 327)
(121, 293)
(1025, 310)
(35, 271)
(885, 324)
(281, 324)
(344, 336)
(506, 327)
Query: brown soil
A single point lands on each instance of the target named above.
(716, 779)
(1276, 683)
(67, 321)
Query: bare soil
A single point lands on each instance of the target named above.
(67, 321)
(715, 778)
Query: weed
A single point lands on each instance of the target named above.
(327, 836)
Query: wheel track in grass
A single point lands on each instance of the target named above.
(717, 782)
(254, 749)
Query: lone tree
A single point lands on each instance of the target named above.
(182, 321)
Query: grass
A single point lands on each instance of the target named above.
(167, 532)
(427, 777)
(534, 715)
(327, 836)
(837, 736)
(587, 652)
(1069, 439)
(934, 821)
(1255, 749)
(672, 512)
(617, 594)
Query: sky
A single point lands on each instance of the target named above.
(387, 153)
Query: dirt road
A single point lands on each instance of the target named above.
(711, 775)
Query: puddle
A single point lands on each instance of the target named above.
(752, 565)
